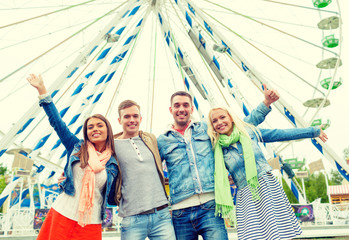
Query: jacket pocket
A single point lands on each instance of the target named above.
(178, 167)
(174, 153)
(202, 144)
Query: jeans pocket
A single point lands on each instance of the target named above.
(126, 222)
(210, 205)
(164, 214)
(177, 213)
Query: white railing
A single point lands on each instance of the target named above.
(19, 222)
(331, 214)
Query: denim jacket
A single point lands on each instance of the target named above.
(234, 159)
(190, 164)
(73, 145)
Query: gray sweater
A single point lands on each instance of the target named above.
(141, 186)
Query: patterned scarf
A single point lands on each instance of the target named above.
(224, 202)
(96, 163)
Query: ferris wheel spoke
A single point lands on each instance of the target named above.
(57, 45)
(46, 14)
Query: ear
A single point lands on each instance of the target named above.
(170, 108)
(140, 120)
(192, 108)
(119, 120)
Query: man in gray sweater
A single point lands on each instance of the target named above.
(140, 188)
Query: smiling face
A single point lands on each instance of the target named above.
(130, 119)
(97, 131)
(221, 121)
(181, 110)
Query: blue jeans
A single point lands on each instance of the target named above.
(157, 226)
(191, 222)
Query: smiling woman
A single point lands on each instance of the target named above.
(90, 172)
(97, 132)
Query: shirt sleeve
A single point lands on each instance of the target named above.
(257, 115)
(68, 139)
(279, 135)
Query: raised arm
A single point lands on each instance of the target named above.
(68, 139)
(257, 115)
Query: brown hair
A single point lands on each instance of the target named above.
(126, 104)
(83, 153)
(182, 93)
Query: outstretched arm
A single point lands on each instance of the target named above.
(279, 135)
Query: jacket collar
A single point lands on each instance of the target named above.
(169, 128)
(140, 134)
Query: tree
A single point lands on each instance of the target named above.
(3, 171)
(346, 153)
(315, 186)
(289, 193)
(336, 178)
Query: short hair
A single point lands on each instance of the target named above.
(181, 93)
(126, 104)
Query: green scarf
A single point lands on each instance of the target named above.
(224, 202)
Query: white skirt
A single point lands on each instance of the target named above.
(269, 218)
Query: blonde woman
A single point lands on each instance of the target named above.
(262, 208)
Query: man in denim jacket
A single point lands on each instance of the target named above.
(188, 153)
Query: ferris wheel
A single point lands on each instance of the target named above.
(94, 54)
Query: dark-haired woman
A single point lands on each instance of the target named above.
(90, 173)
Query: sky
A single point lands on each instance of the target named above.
(17, 103)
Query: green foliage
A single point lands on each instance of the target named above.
(288, 192)
(3, 170)
(315, 186)
(2, 183)
(336, 178)
(346, 153)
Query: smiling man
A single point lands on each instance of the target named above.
(140, 192)
(187, 150)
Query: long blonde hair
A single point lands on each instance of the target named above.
(240, 124)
